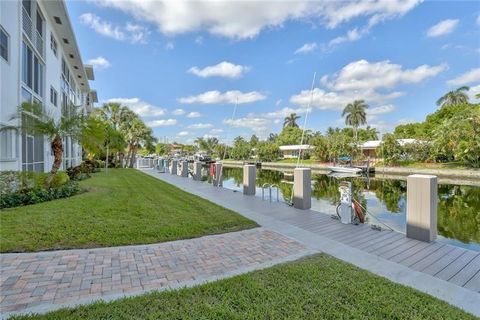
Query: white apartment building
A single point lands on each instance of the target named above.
(39, 62)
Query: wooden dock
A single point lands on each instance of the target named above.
(449, 263)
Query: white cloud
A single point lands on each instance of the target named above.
(246, 19)
(352, 35)
(381, 109)
(372, 82)
(178, 112)
(473, 75)
(363, 75)
(473, 92)
(306, 48)
(183, 133)
(99, 63)
(325, 100)
(194, 114)
(130, 32)
(216, 97)
(256, 124)
(140, 107)
(162, 123)
(282, 113)
(442, 28)
(222, 69)
(200, 126)
(216, 131)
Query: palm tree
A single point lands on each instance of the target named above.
(355, 115)
(208, 145)
(36, 121)
(454, 97)
(291, 120)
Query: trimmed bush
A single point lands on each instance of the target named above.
(33, 196)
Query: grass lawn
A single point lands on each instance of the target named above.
(122, 207)
(292, 160)
(318, 287)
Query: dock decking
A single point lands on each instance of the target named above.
(455, 265)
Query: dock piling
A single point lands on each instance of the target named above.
(197, 171)
(173, 169)
(249, 179)
(302, 188)
(422, 207)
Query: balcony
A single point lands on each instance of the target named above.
(32, 34)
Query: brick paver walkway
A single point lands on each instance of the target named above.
(49, 280)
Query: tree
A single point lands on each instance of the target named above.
(162, 149)
(207, 144)
(36, 121)
(415, 130)
(267, 151)
(390, 149)
(289, 136)
(458, 138)
(454, 97)
(355, 115)
(320, 150)
(272, 137)
(253, 141)
(241, 149)
(291, 120)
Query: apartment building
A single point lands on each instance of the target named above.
(39, 62)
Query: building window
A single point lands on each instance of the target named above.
(32, 70)
(3, 44)
(53, 44)
(8, 145)
(32, 149)
(53, 96)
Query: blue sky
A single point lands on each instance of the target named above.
(183, 65)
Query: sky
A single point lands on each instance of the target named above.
(228, 68)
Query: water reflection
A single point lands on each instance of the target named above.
(385, 199)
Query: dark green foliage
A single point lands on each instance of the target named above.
(33, 196)
(317, 287)
(268, 151)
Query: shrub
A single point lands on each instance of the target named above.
(32, 196)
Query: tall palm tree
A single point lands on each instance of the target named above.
(291, 120)
(36, 121)
(454, 97)
(207, 144)
(355, 115)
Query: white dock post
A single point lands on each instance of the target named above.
(249, 179)
(422, 207)
(173, 170)
(217, 181)
(184, 166)
(302, 188)
(197, 170)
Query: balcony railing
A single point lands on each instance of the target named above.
(33, 34)
(27, 24)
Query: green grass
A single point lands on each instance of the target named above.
(318, 287)
(122, 207)
(291, 160)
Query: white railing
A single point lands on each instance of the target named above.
(39, 43)
(27, 24)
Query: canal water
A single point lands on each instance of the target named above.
(384, 199)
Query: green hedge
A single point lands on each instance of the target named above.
(32, 196)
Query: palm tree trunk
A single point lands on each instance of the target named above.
(57, 150)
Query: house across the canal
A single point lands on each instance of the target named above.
(370, 148)
(293, 151)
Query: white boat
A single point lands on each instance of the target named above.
(345, 169)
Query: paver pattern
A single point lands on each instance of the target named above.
(53, 279)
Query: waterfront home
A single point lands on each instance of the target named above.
(293, 151)
(370, 148)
